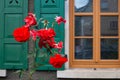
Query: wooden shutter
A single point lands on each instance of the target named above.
(13, 55)
(49, 9)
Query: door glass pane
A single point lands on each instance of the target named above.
(109, 48)
(83, 48)
(109, 26)
(83, 26)
(109, 5)
(83, 5)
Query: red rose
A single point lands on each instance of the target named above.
(43, 43)
(59, 19)
(21, 34)
(43, 34)
(46, 34)
(57, 61)
(46, 37)
(59, 46)
(51, 42)
(30, 20)
(51, 32)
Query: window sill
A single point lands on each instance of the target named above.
(89, 73)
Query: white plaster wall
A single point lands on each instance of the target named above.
(2, 73)
(67, 31)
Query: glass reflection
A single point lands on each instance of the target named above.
(109, 48)
(83, 26)
(83, 5)
(109, 25)
(109, 5)
(83, 49)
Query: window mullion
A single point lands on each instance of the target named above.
(94, 31)
(97, 27)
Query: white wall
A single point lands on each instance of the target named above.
(67, 31)
(2, 73)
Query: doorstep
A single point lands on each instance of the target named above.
(2, 73)
(89, 73)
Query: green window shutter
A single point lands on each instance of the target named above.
(49, 9)
(13, 55)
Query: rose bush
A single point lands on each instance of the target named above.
(45, 35)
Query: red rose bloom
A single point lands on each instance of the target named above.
(57, 61)
(43, 43)
(51, 32)
(46, 37)
(51, 42)
(30, 20)
(46, 34)
(59, 46)
(21, 34)
(43, 34)
(59, 19)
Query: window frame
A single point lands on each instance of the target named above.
(96, 62)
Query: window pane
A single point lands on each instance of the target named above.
(109, 26)
(83, 49)
(83, 5)
(109, 5)
(84, 26)
(109, 48)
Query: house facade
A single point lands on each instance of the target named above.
(91, 36)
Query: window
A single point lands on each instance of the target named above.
(94, 33)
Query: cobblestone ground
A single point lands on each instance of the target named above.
(39, 75)
(44, 75)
